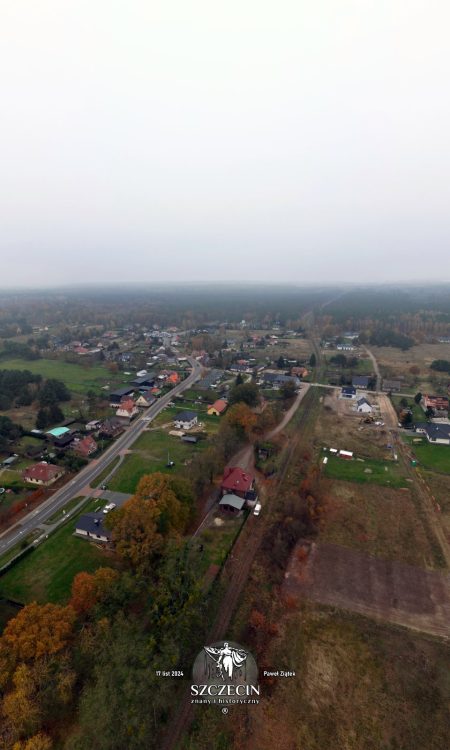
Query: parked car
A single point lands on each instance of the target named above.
(257, 510)
(109, 507)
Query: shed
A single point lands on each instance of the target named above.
(232, 503)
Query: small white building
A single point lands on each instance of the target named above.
(363, 406)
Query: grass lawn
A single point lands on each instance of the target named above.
(432, 457)
(217, 542)
(150, 454)
(77, 378)
(46, 574)
(417, 411)
(102, 476)
(372, 471)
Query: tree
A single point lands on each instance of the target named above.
(404, 402)
(312, 360)
(288, 390)
(40, 741)
(239, 379)
(55, 414)
(88, 589)
(241, 418)
(418, 398)
(135, 532)
(162, 490)
(42, 419)
(53, 391)
(247, 392)
(280, 362)
(37, 630)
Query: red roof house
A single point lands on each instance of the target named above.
(86, 446)
(42, 473)
(218, 407)
(237, 481)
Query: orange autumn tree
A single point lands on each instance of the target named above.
(38, 742)
(37, 630)
(88, 589)
(159, 509)
(242, 418)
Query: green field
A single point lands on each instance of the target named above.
(150, 454)
(46, 574)
(433, 457)
(372, 471)
(78, 378)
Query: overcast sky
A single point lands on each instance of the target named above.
(297, 140)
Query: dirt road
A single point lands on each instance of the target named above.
(375, 367)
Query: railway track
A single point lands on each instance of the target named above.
(237, 569)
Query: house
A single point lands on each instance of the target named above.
(64, 441)
(348, 391)
(93, 425)
(86, 446)
(185, 420)
(218, 407)
(111, 427)
(277, 380)
(146, 380)
(42, 474)
(115, 397)
(127, 410)
(363, 406)
(361, 381)
(231, 503)
(238, 482)
(439, 434)
(391, 386)
(90, 525)
(437, 403)
(145, 399)
(299, 372)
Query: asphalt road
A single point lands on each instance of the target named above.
(27, 524)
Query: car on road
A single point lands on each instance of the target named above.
(103, 486)
(109, 507)
(257, 509)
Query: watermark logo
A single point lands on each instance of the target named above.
(226, 674)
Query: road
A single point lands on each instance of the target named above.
(27, 524)
(375, 367)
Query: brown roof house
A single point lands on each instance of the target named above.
(85, 447)
(42, 474)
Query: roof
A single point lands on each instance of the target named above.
(274, 377)
(128, 406)
(121, 392)
(348, 389)
(58, 431)
(235, 478)
(185, 416)
(362, 401)
(42, 471)
(361, 380)
(233, 500)
(92, 523)
(85, 445)
(220, 405)
(435, 431)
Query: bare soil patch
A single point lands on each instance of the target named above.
(377, 520)
(382, 589)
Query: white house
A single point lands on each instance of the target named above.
(185, 420)
(127, 410)
(90, 526)
(363, 406)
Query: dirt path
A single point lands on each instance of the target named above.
(375, 367)
(382, 589)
